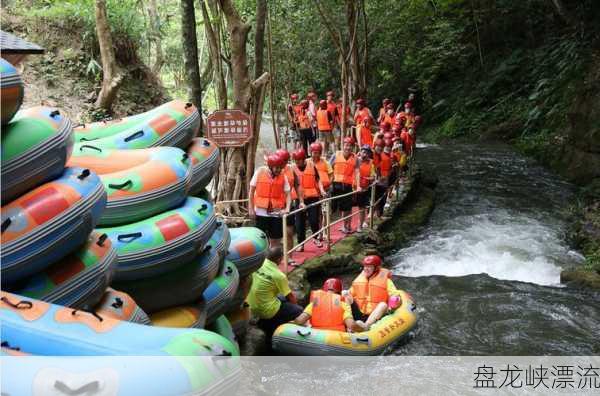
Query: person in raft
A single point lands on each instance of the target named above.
(269, 198)
(327, 309)
(270, 298)
(370, 292)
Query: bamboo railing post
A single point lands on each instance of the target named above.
(328, 224)
(285, 244)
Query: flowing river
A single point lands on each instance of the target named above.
(485, 270)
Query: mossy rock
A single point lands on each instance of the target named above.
(581, 278)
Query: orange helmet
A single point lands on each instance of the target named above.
(372, 260)
(299, 154)
(284, 154)
(334, 284)
(316, 146)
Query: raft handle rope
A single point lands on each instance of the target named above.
(90, 147)
(5, 344)
(118, 303)
(84, 173)
(101, 240)
(228, 271)
(23, 304)
(188, 105)
(122, 186)
(136, 135)
(202, 208)
(131, 237)
(89, 388)
(206, 248)
(5, 224)
(362, 340)
(184, 157)
(303, 334)
(205, 143)
(94, 314)
(54, 113)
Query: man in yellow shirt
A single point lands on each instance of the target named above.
(270, 298)
(327, 310)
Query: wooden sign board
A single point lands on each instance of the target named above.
(229, 128)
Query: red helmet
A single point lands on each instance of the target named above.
(372, 260)
(323, 104)
(386, 101)
(304, 104)
(379, 142)
(361, 101)
(408, 104)
(294, 96)
(349, 140)
(299, 154)
(330, 93)
(274, 160)
(334, 284)
(284, 154)
(316, 147)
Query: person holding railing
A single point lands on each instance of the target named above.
(344, 174)
(324, 170)
(365, 176)
(313, 191)
(269, 198)
(295, 192)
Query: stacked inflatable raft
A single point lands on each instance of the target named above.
(107, 204)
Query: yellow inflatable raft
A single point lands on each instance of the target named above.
(291, 339)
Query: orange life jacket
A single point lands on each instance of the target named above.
(388, 119)
(269, 193)
(307, 179)
(303, 120)
(386, 165)
(376, 159)
(323, 121)
(361, 115)
(343, 169)
(322, 169)
(339, 107)
(365, 173)
(366, 137)
(367, 293)
(332, 109)
(289, 175)
(327, 311)
(297, 108)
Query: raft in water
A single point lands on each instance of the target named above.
(35, 147)
(139, 183)
(173, 124)
(77, 281)
(163, 242)
(49, 222)
(291, 339)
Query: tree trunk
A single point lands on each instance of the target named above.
(355, 75)
(156, 37)
(190, 53)
(214, 50)
(237, 165)
(112, 77)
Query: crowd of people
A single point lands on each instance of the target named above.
(372, 155)
(326, 162)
